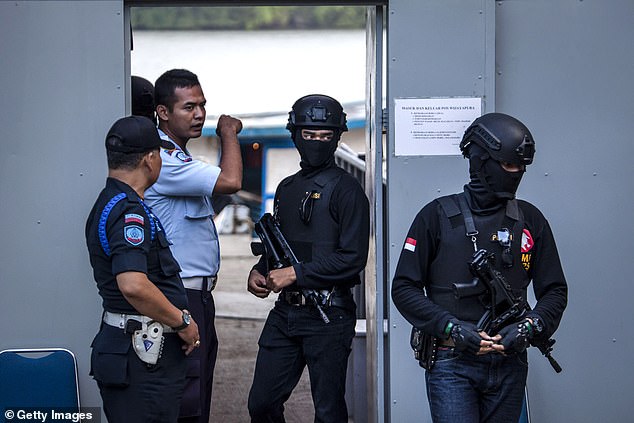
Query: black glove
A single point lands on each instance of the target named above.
(466, 337)
(515, 337)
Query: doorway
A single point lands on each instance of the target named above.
(255, 73)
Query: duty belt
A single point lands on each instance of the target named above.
(200, 283)
(294, 298)
(338, 297)
(446, 343)
(119, 320)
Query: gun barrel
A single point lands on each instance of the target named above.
(554, 363)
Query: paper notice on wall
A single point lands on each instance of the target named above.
(432, 126)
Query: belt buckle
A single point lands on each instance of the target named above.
(294, 298)
(210, 283)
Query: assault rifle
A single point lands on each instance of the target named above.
(279, 254)
(503, 306)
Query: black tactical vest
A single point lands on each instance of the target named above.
(455, 250)
(319, 237)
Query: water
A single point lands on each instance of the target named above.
(244, 72)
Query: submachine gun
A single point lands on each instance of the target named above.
(279, 254)
(503, 306)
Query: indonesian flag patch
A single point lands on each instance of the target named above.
(410, 244)
(134, 218)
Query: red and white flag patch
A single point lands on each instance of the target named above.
(134, 218)
(410, 244)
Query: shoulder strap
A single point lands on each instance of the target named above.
(327, 175)
(451, 209)
(469, 223)
(449, 206)
(101, 229)
(513, 210)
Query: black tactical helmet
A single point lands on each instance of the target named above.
(505, 138)
(317, 111)
(142, 97)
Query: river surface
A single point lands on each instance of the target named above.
(245, 72)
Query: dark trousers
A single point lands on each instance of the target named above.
(196, 403)
(295, 337)
(143, 394)
(470, 388)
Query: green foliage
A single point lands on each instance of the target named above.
(248, 18)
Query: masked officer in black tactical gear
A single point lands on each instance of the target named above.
(324, 215)
(479, 376)
(138, 356)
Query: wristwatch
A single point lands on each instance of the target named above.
(187, 319)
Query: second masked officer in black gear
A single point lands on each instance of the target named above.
(479, 376)
(324, 215)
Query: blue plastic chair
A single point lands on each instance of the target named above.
(32, 378)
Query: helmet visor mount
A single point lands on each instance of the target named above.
(479, 134)
(317, 111)
(318, 114)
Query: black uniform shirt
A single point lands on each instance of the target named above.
(541, 261)
(128, 236)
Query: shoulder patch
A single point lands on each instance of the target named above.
(180, 155)
(527, 241)
(410, 245)
(134, 234)
(134, 218)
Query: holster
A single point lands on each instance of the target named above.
(425, 348)
(148, 342)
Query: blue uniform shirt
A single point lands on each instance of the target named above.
(181, 198)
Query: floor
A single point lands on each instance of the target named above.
(239, 320)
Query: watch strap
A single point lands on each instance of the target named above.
(186, 322)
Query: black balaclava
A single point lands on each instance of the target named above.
(491, 186)
(316, 154)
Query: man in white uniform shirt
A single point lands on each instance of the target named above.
(182, 199)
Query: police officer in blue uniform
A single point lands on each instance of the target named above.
(138, 356)
(479, 376)
(323, 213)
(181, 198)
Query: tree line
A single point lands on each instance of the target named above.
(248, 18)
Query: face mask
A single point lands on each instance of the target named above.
(490, 183)
(315, 153)
(502, 183)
